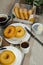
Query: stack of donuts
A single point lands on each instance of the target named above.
(14, 31)
(7, 57)
(22, 13)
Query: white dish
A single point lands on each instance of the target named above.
(26, 6)
(19, 55)
(37, 28)
(22, 21)
(19, 40)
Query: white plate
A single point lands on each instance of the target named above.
(22, 21)
(19, 55)
(19, 40)
(22, 6)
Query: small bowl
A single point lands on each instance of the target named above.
(24, 46)
(4, 18)
(37, 28)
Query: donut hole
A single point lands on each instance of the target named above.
(19, 31)
(9, 31)
(6, 57)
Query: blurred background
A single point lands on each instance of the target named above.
(37, 3)
(5, 5)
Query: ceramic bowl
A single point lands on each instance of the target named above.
(4, 18)
(37, 28)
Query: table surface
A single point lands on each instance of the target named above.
(35, 56)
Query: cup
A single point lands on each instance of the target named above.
(0, 40)
(25, 47)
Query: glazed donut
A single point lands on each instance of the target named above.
(7, 57)
(20, 32)
(10, 32)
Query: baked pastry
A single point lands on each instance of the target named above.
(25, 13)
(21, 13)
(16, 5)
(10, 31)
(30, 12)
(20, 31)
(16, 10)
(7, 57)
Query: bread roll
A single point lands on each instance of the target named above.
(16, 10)
(17, 5)
(25, 13)
(30, 12)
(21, 13)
